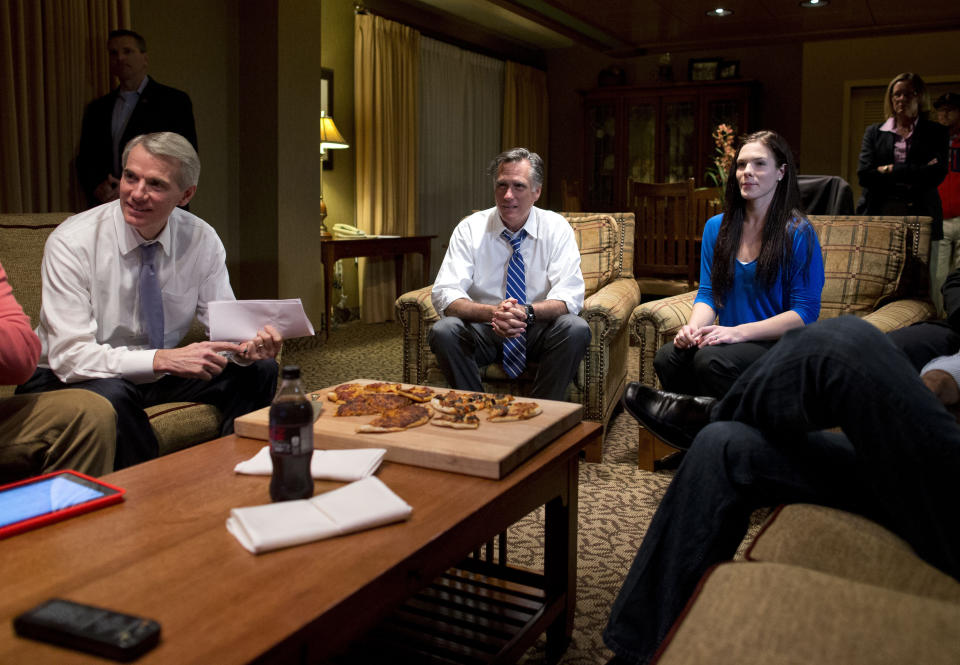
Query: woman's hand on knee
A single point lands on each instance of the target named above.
(713, 335)
(687, 337)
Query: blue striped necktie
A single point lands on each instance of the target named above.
(515, 349)
(151, 299)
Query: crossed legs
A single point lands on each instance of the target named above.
(897, 460)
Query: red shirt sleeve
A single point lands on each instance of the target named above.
(19, 345)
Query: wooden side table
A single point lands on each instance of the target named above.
(381, 246)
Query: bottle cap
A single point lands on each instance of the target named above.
(291, 372)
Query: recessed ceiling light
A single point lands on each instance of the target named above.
(720, 11)
(811, 4)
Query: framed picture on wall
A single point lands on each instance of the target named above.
(729, 69)
(326, 104)
(703, 69)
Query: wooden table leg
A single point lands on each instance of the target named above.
(398, 273)
(560, 560)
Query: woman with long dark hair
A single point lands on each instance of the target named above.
(903, 159)
(761, 274)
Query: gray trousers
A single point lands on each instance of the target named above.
(557, 347)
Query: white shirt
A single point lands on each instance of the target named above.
(949, 364)
(90, 324)
(475, 265)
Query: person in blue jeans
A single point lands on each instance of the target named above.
(896, 461)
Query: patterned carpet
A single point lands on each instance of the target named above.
(617, 500)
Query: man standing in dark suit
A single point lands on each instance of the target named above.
(139, 105)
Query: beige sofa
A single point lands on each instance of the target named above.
(820, 586)
(606, 250)
(22, 237)
(876, 268)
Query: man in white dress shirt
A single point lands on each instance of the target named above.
(95, 321)
(470, 291)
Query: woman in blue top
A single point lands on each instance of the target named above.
(761, 274)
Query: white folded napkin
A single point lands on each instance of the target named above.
(361, 505)
(342, 465)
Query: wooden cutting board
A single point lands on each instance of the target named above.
(490, 451)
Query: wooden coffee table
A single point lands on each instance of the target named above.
(165, 553)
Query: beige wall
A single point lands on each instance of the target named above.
(298, 165)
(198, 56)
(339, 184)
(828, 65)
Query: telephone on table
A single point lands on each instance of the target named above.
(347, 231)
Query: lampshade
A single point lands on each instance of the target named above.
(330, 137)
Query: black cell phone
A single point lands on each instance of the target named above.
(87, 628)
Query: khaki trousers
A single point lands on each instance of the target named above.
(67, 429)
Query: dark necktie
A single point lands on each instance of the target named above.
(151, 300)
(515, 349)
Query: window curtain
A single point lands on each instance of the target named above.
(525, 111)
(53, 60)
(386, 57)
(461, 97)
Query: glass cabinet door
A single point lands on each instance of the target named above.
(601, 145)
(642, 141)
(679, 140)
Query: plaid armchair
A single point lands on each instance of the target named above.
(875, 267)
(606, 252)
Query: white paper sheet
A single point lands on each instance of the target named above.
(239, 320)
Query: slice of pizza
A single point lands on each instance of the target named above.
(500, 399)
(457, 420)
(343, 392)
(514, 411)
(380, 387)
(447, 402)
(417, 393)
(397, 420)
(369, 404)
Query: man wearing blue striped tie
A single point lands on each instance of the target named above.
(510, 289)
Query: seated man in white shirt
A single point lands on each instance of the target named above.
(109, 322)
(532, 316)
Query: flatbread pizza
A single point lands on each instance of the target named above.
(514, 411)
(399, 419)
(458, 420)
(368, 404)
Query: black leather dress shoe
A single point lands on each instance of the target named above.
(672, 418)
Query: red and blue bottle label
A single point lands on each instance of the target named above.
(287, 440)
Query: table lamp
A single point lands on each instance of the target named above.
(330, 139)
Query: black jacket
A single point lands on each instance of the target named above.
(911, 188)
(159, 109)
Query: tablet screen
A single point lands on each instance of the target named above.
(45, 496)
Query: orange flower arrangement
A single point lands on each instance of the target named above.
(723, 136)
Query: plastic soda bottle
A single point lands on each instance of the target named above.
(291, 439)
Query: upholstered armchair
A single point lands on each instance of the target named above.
(875, 267)
(606, 251)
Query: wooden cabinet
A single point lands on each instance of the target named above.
(656, 134)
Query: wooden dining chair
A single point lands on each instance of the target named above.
(707, 202)
(666, 260)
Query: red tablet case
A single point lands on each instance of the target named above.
(57, 515)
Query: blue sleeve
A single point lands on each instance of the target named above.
(806, 274)
(709, 241)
